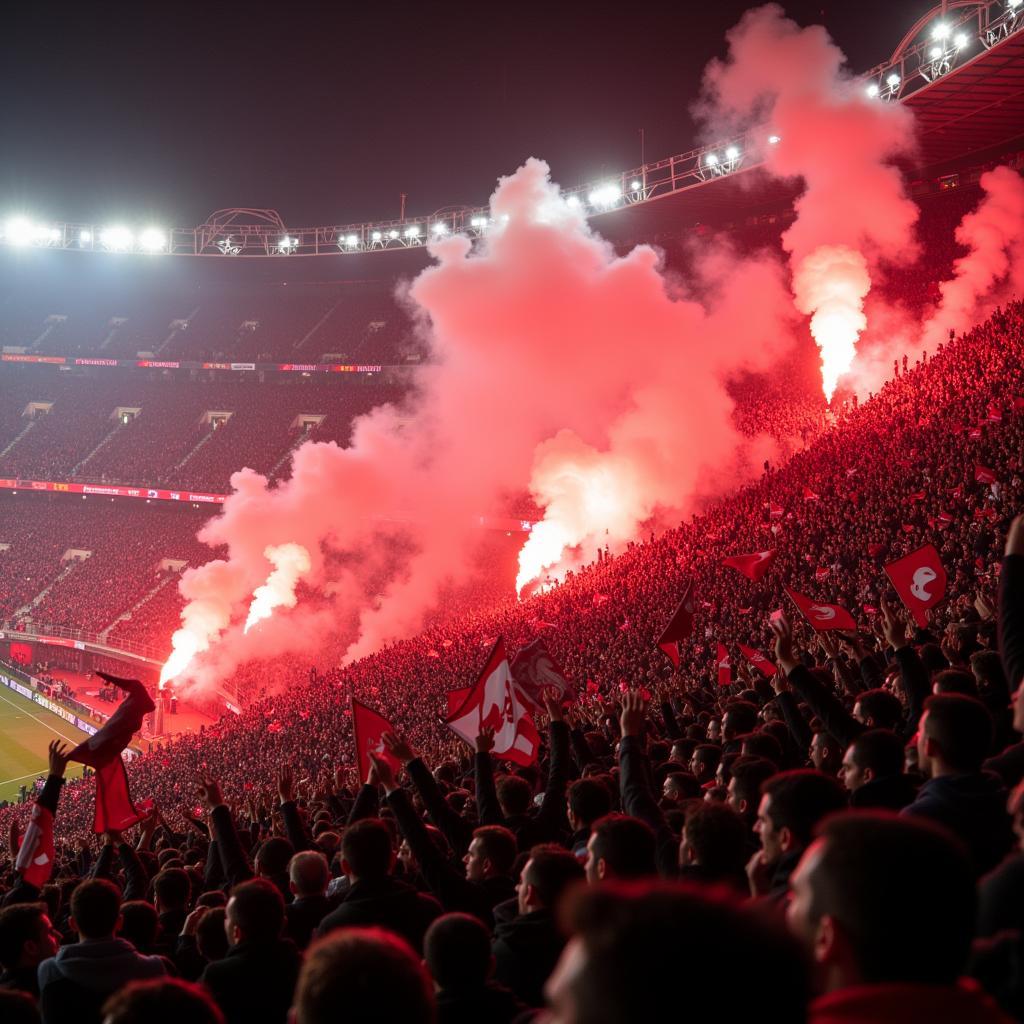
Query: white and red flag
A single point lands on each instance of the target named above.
(724, 666)
(494, 703)
(754, 565)
(759, 661)
(774, 511)
(368, 728)
(455, 700)
(920, 580)
(984, 475)
(810, 495)
(37, 853)
(822, 617)
(680, 626)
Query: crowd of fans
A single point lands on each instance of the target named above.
(845, 831)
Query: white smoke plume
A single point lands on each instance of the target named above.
(790, 82)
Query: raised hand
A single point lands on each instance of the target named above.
(554, 706)
(286, 783)
(398, 747)
(784, 654)
(210, 794)
(485, 740)
(58, 756)
(894, 629)
(631, 718)
(385, 773)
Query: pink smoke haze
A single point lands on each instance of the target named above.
(853, 214)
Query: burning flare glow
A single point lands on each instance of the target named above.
(290, 562)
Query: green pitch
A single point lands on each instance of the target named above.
(26, 730)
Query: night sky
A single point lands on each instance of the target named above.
(165, 112)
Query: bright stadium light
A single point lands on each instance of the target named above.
(573, 201)
(352, 241)
(711, 160)
(935, 53)
(153, 240)
(872, 90)
(287, 245)
(940, 31)
(116, 238)
(774, 140)
(440, 228)
(19, 231)
(478, 222)
(605, 195)
(1014, 4)
(960, 40)
(893, 80)
(635, 186)
(392, 234)
(412, 232)
(732, 153)
(85, 237)
(376, 236)
(54, 234)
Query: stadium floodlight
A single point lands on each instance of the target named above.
(85, 237)
(605, 195)
(941, 31)
(19, 231)
(960, 40)
(153, 240)
(711, 160)
(872, 90)
(774, 140)
(392, 234)
(1014, 4)
(893, 80)
(732, 153)
(287, 245)
(573, 201)
(478, 222)
(376, 236)
(116, 238)
(412, 232)
(635, 186)
(440, 228)
(935, 53)
(352, 241)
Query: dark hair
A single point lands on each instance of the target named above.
(955, 680)
(19, 924)
(877, 873)
(761, 744)
(210, 935)
(95, 906)
(514, 793)
(988, 667)
(161, 1001)
(273, 855)
(498, 845)
(457, 951)
(366, 845)
(884, 709)
(139, 924)
(645, 931)
(743, 715)
(552, 869)
(800, 799)
(961, 727)
(708, 753)
(309, 872)
(172, 888)
(589, 800)
(625, 844)
(719, 838)
(881, 750)
(257, 908)
(362, 974)
(748, 775)
(687, 784)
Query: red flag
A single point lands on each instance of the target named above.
(874, 550)
(944, 519)
(754, 565)
(984, 475)
(494, 702)
(810, 495)
(1018, 403)
(534, 671)
(680, 626)
(974, 433)
(600, 599)
(759, 661)
(455, 699)
(367, 729)
(36, 854)
(592, 687)
(774, 511)
(724, 666)
(920, 580)
(995, 414)
(821, 573)
(433, 653)
(274, 727)
(822, 617)
(102, 751)
(917, 496)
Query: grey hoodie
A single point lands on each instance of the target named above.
(99, 965)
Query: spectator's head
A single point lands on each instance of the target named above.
(255, 913)
(308, 874)
(514, 795)
(161, 1001)
(761, 744)
(588, 800)
(679, 787)
(878, 709)
(18, 1007)
(955, 680)
(362, 975)
(715, 839)
(620, 847)
(874, 754)
(866, 880)
(545, 876)
(792, 803)
(704, 761)
(211, 934)
(682, 751)
(95, 909)
(491, 854)
(27, 937)
(825, 753)
(457, 952)
(987, 667)
(139, 924)
(366, 852)
(273, 856)
(628, 942)
(171, 890)
(740, 717)
(747, 775)
(954, 735)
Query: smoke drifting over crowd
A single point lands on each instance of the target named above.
(588, 378)
(853, 214)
